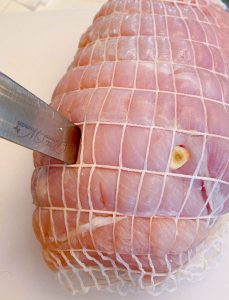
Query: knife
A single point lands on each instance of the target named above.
(28, 121)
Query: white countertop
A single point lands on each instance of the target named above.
(17, 6)
(32, 51)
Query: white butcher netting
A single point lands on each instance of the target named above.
(142, 209)
(217, 2)
(127, 280)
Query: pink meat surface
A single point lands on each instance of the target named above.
(148, 77)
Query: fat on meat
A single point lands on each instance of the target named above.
(149, 89)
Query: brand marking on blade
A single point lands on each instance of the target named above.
(38, 136)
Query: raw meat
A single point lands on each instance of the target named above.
(149, 89)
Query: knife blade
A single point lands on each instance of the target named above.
(28, 121)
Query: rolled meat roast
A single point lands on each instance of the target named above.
(149, 88)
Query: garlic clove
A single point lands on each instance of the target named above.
(180, 156)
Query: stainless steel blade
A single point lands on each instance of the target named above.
(30, 122)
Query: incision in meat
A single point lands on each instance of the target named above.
(149, 89)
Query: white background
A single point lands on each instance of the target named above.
(35, 49)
